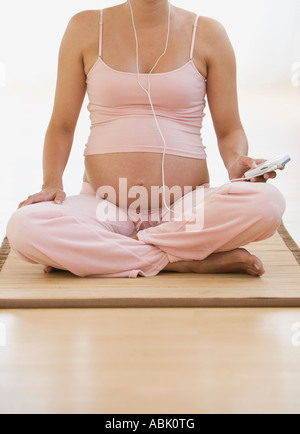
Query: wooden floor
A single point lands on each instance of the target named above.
(150, 361)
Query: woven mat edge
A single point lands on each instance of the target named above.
(289, 242)
(4, 252)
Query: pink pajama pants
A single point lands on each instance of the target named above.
(71, 236)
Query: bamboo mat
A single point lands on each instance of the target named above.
(24, 285)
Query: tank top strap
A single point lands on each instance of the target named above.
(194, 37)
(101, 33)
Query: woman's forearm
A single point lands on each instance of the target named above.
(232, 146)
(57, 148)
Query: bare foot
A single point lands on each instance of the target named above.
(235, 261)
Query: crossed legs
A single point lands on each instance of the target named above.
(70, 237)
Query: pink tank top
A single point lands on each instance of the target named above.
(122, 118)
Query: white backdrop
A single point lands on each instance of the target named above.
(265, 35)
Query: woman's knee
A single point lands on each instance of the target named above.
(26, 225)
(19, 228)
(269, 205)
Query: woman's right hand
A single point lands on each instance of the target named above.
(47, 194)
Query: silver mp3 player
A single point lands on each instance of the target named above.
(268, 166)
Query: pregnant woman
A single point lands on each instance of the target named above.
(147, 68)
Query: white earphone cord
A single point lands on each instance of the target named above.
(148, 92)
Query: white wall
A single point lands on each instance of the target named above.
(264, 33)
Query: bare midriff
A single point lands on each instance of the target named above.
(144, 169)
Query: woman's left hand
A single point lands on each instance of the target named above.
(240, 166)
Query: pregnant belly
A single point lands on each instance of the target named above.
(136, 178)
